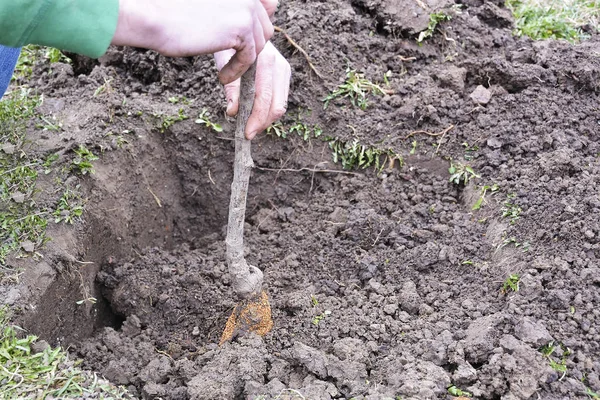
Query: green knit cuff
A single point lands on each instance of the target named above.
(80, 26)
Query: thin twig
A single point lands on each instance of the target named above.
(300, 49)
(155, 197)
(437, 149)
(332, 171)
(402, 58)
(441, 133)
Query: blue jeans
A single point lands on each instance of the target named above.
(8, 60)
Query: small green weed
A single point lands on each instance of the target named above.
(278, 130)
(356, 155)
(318, 318)
(434, 21)
(46, 374)
(17, 183)
(70, 207)
(524, 246)
(27, 59)
(554, 19)
(591, 394)
(203, 119)
(413, 148)
(510, 210)
(484, 190)
(49, 124)
(54, 55)
(106, 87)
(21, 231)
(167, 121)
(461, 173)
(180, 99)
(120, 141)
(301, 128)
(305, 131)
(511, 284)
(470, 151)
(356, 88)
(454, 391)
(562, 352)
(313, 300)
(17, 106)
(48, 162)
(82, 163)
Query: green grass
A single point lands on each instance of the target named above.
(555, 19)
(511, 284)
(22, 223)
(82, 163)
(434, 20)
(492, 189)
(48, 373)
(165, 122)
(27, 373)
(591, 394)
(354, 155)
(31, 54)
(204, 119)
(70, 207)
(558, 361)
(303, 129)
(461, 173)
(454, 391)
(356, 88)
(23, 217)
(511, 210)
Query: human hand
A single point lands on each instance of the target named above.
(180, 28)
(272, 85)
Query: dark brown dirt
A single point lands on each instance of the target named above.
(382, 285)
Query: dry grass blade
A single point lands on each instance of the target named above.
(300, 49)
(440, 133)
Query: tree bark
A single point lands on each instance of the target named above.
(247, 279)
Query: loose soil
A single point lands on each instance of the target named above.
(383, 284)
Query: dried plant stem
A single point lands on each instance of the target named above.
(247, 279)
(440, 133)
(300, 49)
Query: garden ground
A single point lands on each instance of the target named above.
(449, 247)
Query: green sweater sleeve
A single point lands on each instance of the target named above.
(81, 26)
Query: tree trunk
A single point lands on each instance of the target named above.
(247, 279)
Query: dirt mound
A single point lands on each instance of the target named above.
(383, 283)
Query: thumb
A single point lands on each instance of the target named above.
(232, 93)
(270, 6)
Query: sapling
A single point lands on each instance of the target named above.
(253, 313)
(247, 279)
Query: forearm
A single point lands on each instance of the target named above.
(81, 26)
(138, 24)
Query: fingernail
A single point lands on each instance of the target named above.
(229, 106)
(250, 135)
